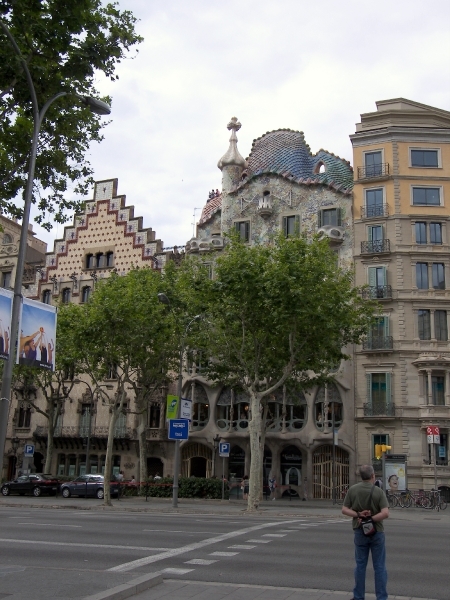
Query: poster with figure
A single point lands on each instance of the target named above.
(37, 335)
(395, 474)
(6, 299)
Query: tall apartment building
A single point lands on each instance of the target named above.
(401, 211)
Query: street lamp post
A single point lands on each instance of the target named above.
(176, 465)
(98, 107)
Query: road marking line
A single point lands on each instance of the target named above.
(175, 571)
(223, 553)
(274, 535)
(200, 561)
(181, 531)
(259, 541)
(51, 525)
(194, 546)
(146, 548)
(242, 547)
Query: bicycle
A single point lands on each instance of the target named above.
(392, 499)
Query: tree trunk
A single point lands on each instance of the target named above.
(49, 453)
(108, 460)
(141, 431)
(256, 453)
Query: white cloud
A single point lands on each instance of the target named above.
(296, 64)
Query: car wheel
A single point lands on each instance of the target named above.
(5, 490)
(65, 493)
(100, 494)
(37, 492)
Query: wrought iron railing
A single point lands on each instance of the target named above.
(379, 409)
(378, 342)
(378, 292)
(375, 246)
(381, 170)
(371, 212)
(82, 432)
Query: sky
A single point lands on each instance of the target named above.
(297, 64)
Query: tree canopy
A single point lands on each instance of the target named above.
(280, 313)
(65, 45)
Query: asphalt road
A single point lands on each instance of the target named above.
(71, 553)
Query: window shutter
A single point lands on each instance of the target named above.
(388, 388)
(319, 218)
(247, 231)
(297, 224)
(372, 271)
(384, 275)
(369, 234)
(369, 388)
(285, 226)
(386, 326)
(340, 216)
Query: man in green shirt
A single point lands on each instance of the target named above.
(359, 504)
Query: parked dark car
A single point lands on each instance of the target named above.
(87, 485)
(35, 484)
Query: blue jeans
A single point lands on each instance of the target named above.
(375, 544)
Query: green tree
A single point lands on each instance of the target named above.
(66, 45)
(278, 314)
(125, 327)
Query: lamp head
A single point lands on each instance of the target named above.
(163, 299)
(98, 107)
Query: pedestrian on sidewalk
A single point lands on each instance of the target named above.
(364, 500)
(272, 486)
(245, 487)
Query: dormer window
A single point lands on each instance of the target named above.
(320, 168)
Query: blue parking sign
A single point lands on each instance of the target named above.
(178, 429)
(224, 449)
(29, 450)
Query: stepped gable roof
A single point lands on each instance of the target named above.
(284, 152)
(210, 209)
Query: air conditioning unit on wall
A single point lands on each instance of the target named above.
(334, 233)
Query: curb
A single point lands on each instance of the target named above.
(133, 587)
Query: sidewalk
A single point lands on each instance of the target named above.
(278, 508)
(178, 589)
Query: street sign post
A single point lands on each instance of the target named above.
(29, 451)
(224, 452)
(178, 429)
(434, 437)
(186, 409)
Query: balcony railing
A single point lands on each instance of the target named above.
(375, 247)
(379, 409)
(378, 292)
(372, 171)
(372, 212)
(379, 343)
(82, 432)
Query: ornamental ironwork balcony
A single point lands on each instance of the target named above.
(372, 171)
(373, 212)
(379, 409)
(378, 292)
(375, 247)
(379, 343)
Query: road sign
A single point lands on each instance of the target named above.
(178, 429)
(433, 436)
(29, 451)
(224, 449)
(185, 408)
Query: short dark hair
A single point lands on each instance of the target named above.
(366, 472)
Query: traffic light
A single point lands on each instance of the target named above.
(380, 449)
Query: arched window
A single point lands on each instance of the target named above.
(65, 295)
(46, 296)
(7, 239)
(110, 259)
(200, 407)
(232, 410)
(86, 293)
(320, 168)
(100, 260)
(328, 408)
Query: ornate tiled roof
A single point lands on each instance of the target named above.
(284, 152)
(213, 205)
